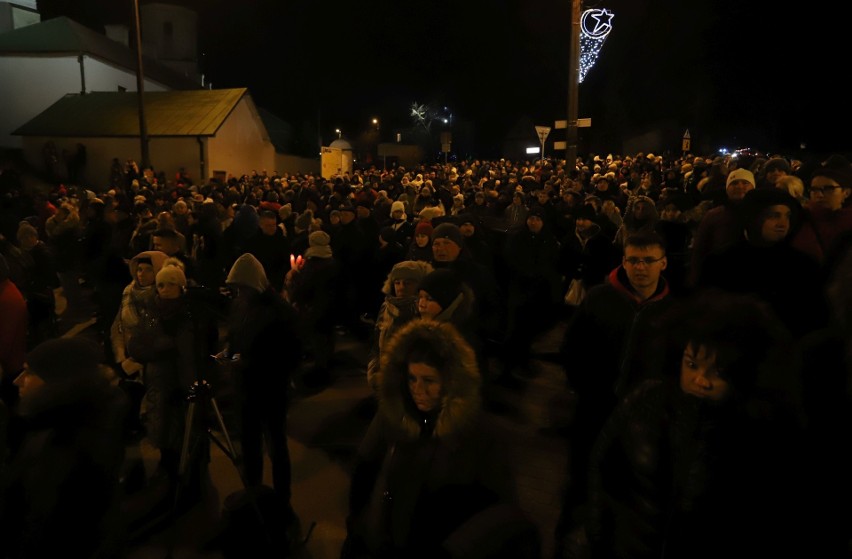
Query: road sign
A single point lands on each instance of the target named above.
(560, 145)
(542, 132)
(584, 123)
(560, 124)
(686, 143)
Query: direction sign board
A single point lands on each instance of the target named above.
(542, 132)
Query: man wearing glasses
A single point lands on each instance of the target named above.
(607, 348)
(827, 227)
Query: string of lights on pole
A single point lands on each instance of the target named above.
(595, 25)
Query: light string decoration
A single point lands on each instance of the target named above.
(595, 25)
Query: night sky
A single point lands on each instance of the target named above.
(735, 73)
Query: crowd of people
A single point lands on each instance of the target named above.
(707, 311)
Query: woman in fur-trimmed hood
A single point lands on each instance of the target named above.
(432, 478)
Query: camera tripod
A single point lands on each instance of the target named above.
(251, 501)
(201, 403)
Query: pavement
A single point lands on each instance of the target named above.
(324, 429)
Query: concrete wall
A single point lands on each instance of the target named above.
(241, 144)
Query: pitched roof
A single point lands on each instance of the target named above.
(197, 112)
(62, 35)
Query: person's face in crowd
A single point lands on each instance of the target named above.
(427, 306)
(166, 244)
(670, 213)
(542, 197)
(145, 275)
(168, 290)
(421, 240)
(405, 287)
(479, 199)
(518, 199)
(346, 217)
(700, 376)
(828, 193)
(773, 175)
(181, 209)
(363, 211)
(28, 382)
(334, 219)
(166, 220)
(776, 223)
(445, 250)
(424, 384)
(642, 210)
(602, 185)
(467, 229)
(268, 225)
(535, 223)
(737, 189)
(582, 224)
(397, 214)
(644, 265)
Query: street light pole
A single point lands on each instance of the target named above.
(140, 90)
(573, 86)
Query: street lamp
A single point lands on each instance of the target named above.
(339, 133)
(376, 122)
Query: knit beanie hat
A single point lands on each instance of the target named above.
(841, 174)
(776, 164)
(757, 201)
(740, 174)
(248, 272)
(61, 359)
(406, 270)
(448, 231)
(319, 245)
(424, 228)
(443, 286)
(172, 272)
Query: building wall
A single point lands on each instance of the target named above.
(241, 143)
(167, 155)
(26, 93)
(285, 163)
(170, 35)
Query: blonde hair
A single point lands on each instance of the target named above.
(793, 185)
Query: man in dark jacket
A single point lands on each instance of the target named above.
(60, 490)
(264, 350)
(608, 347)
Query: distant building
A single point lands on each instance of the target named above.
(49, 68)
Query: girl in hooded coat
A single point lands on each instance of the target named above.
(432, 478)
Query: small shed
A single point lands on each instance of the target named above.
(203, 132)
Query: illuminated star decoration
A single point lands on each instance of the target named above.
(595, 25)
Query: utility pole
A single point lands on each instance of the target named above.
(140, 89)
(573, 86)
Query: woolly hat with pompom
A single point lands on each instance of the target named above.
(172, 272)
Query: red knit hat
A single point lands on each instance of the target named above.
(424, 228)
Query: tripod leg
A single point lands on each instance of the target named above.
(187, 436)
(221, 423)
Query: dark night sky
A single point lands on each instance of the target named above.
(735, 73)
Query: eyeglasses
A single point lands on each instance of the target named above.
(823, 189)
(647, 261)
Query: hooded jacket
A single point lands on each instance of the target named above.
(133, 303)
(422, 477)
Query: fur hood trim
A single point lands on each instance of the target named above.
(461, 402)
